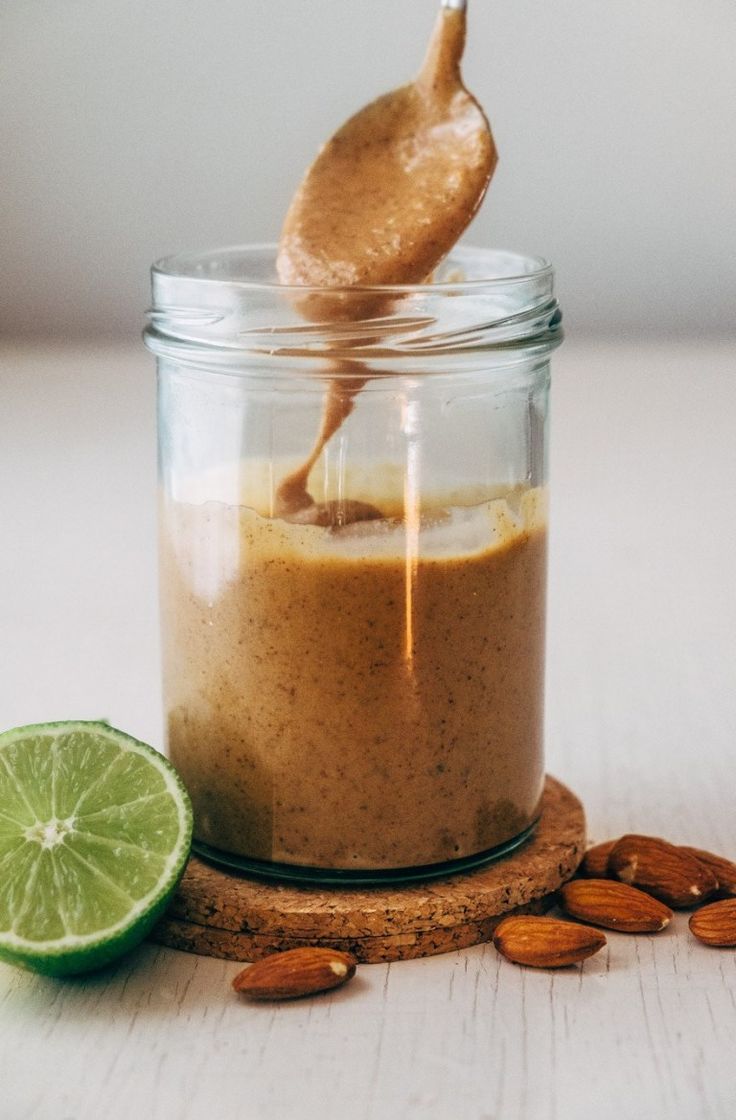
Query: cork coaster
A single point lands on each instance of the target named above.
(219, 913)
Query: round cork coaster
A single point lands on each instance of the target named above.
(220, 913)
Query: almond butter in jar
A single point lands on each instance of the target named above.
(357, 699)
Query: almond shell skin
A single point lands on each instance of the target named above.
(546, 942)
(663, 870)
(295, 973)
(614, 905)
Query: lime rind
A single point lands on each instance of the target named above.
(108, 882)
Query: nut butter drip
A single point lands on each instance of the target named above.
(384, 202)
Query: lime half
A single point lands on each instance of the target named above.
(95, 830)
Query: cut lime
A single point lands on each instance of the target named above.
(95, 830)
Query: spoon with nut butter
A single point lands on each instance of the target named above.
(384, 202)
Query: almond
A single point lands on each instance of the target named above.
(605, 902)
(723, 869)
(595, 860)
(297, 972)
(716, 924)
(671, 875)
(546, 942)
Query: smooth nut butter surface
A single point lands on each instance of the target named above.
(362, 697)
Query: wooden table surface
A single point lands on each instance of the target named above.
(641, 723)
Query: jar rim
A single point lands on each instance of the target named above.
(206, 268)
(225, 308)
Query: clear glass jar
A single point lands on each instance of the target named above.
(364, 700)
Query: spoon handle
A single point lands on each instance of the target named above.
(457, 5)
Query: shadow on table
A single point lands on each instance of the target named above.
(152, 982)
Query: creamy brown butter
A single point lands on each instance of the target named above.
(392, 191)
(333, 702)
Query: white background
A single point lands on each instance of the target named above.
(134, 128)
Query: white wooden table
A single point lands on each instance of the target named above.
(642, 723)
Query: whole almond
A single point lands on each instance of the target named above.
(716, 924)
(723, 869)
(546, 942)
(661, 869)
(297, 972)
(605, 902)
(595, 860)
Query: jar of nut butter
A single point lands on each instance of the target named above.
(353, 525)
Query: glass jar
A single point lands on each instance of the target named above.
(354, 688)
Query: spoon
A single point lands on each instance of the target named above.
(392, 191)
(383, 203)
